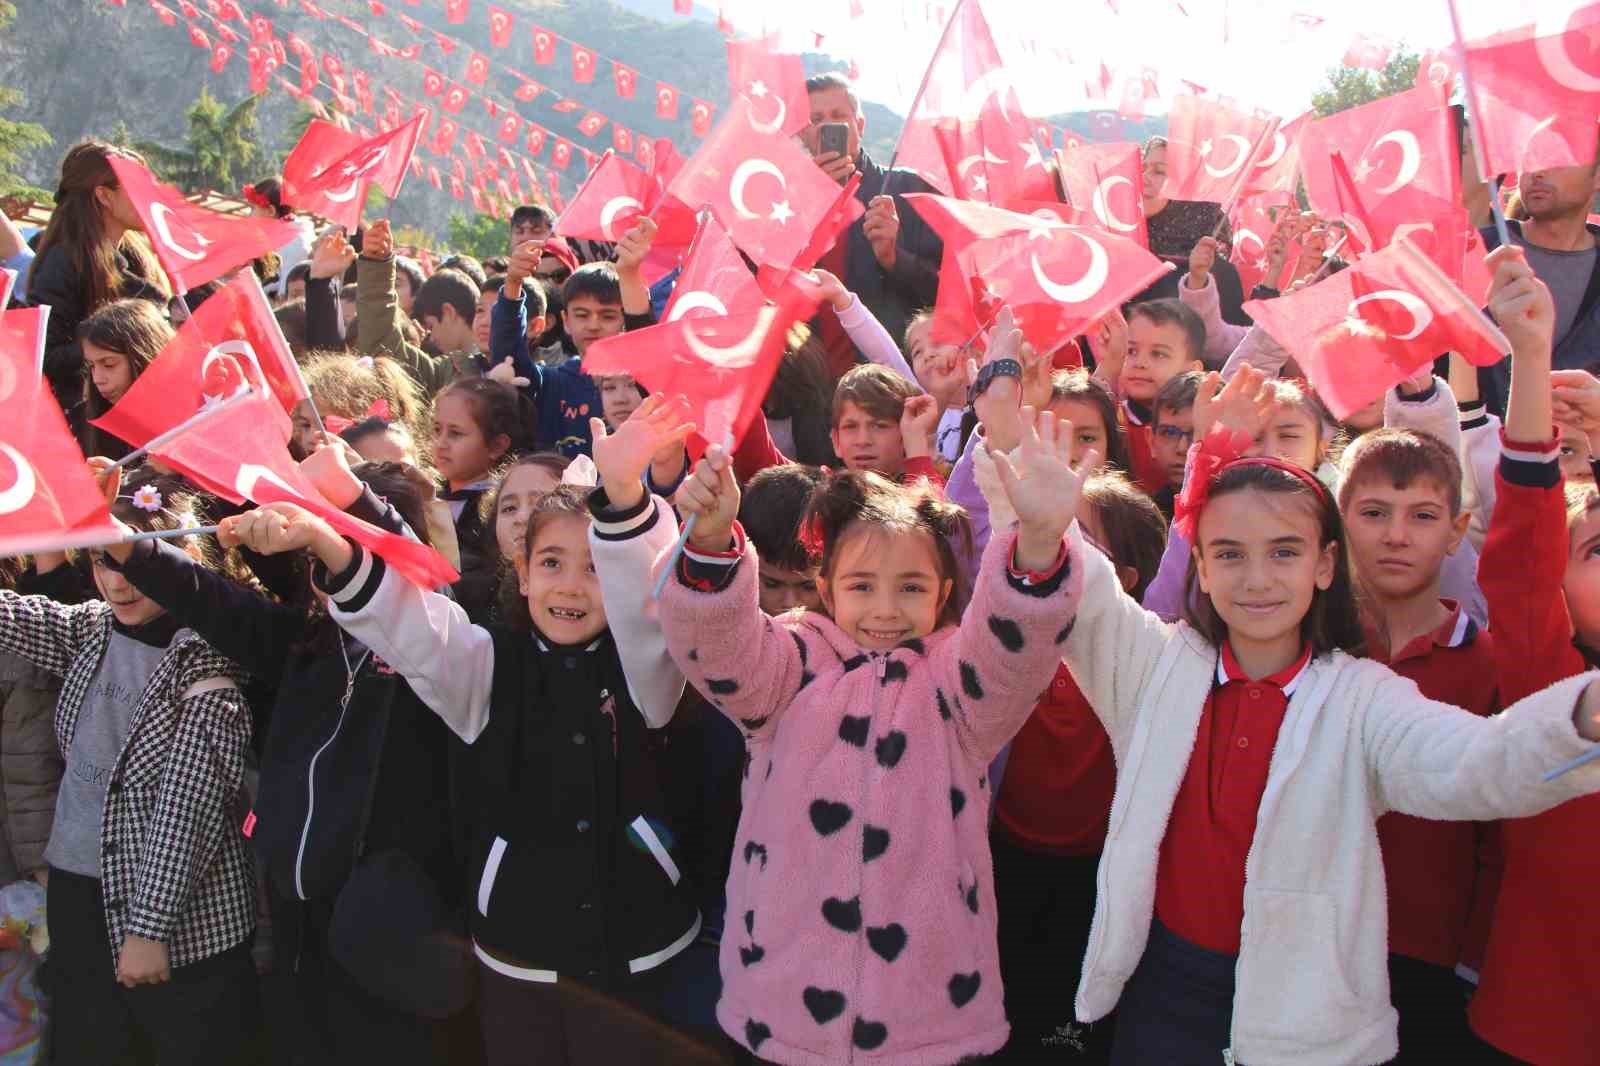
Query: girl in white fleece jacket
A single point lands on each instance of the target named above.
(1241, 907)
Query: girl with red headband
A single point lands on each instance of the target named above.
(1241, 908)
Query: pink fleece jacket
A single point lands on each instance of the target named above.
(861, 913)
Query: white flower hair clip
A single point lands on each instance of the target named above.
(581, 472)
(146, 498)
(365, 362)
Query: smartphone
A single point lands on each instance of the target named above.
(833, 137)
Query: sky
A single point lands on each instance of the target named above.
(1268, 54)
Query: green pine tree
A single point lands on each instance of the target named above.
(219, 151)
(1349, 87)
(17, 139)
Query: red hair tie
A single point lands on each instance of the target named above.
(336, 424)
(252, 195)
(379, 408)
(811, 538)
(1223, 449)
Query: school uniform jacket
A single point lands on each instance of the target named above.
(174, 866)
(1357, 741)
(576, 875)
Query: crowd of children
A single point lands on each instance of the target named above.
(1128, 712)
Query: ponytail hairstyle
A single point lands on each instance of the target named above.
(853, 502)
(1333, 620)
(135, 329)
(1134, 530)
(359, 388)
(1077, 385)
(76, 226)
(498, 410)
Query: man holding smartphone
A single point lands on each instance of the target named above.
(889, 257)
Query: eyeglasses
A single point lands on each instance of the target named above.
(1173, 433)
(557, 276)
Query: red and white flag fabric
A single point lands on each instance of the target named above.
(1538, 91)
(1274, 175)
(1369, 50)
(592, 123)
(330, 170)
(624, 79)
(241, 453)
(1057, 278)
(761, 185)
(774, 82)
(966, 134)
(478, 68)
(700, 113)
(715, 280)
(615, 195)
(231, 343)
(1401, 151)
(455, 11)
(1208, 147)
(666, 101)
(582, 64)
(1364, 330)
(1106, 181)
(510, 126)
(433, 82)
(1252, 224)
(22, 333)
(8, 282)
(48, 501)
(500, 25)
(723, 364)
(561, 154)
(194, 244)
(544, 46)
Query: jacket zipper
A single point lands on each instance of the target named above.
(311, 773)
(880, 670)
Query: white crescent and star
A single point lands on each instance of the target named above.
(1550, 45)
(1421, 314)
(23, 485)
(993, 81)
(1102, 203)
(614, 207)
(757, 91)
(232, 350)
(1410, 158)
(1280, 144)
(696, 300)
(1246, 233)
(1438, 72)
(734, 356)
(1093, 280)
(159, 213)
(742, 174)
(1238, 160)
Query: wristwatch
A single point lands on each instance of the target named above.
(1008, 368)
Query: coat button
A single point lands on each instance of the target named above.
(583, 825)
(1244, 742)
(570, 663)
(586, 906)
(579, 739)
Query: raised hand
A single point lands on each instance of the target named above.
(918, 421)
(524, 263)
(1202, 257)
(1520, 302)
(711, 496)
(377, 242)
(622, 457)
(635, 245)
(332, 255)
(1042, 486)
(1243, 404)
(284, 527)
(882, 228)
(505, 374)
(833, 289)
(328, 469)
(997, 406)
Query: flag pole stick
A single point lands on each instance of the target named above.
(1584, 759)
(888, 171)
(688, 526)
(168, 534)
(1474, 123)
(1244, 174)
(300, 378)
(187, 424)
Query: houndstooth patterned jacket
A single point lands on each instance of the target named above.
(174, 866)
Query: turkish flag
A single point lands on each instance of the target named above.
(561, 154)
(582, 64)
(455, 11)
(456, 188)
(49, 501)
(231, 344)
(220, 54)
(715, 280)
(490, 108)
(1106, 181)
(1438, 70)
(329, 170)
(8, 280)
(565, 105)
(764, 188)
(227, 34)
(1362, 331)
(433, 82)
(510, 126)
(666, 101)
(625, 79)
(198, 38)
(966, 134)
(644, 151)
(528, 90)
(774, 83)
(500, 23)
(544, 45)
(622, 139)
(241, 453)
(167, 16)
(434, 177)
(193, 243)
(1274, 174)
(363, 87)
(536, 139)
(333, 67)
(455, 98)
(1056, 278)
(724, 364)
(260, 28)
(478, 68)
(262, 67)
(1401, 151)
(1369, 50)
(591, 124)
(1538, 91)
(22, 331)
(1208, 147)
(1252, 224)
(700, 117)
(614, 196)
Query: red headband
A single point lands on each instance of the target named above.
(252, 195)
(1223, 449)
